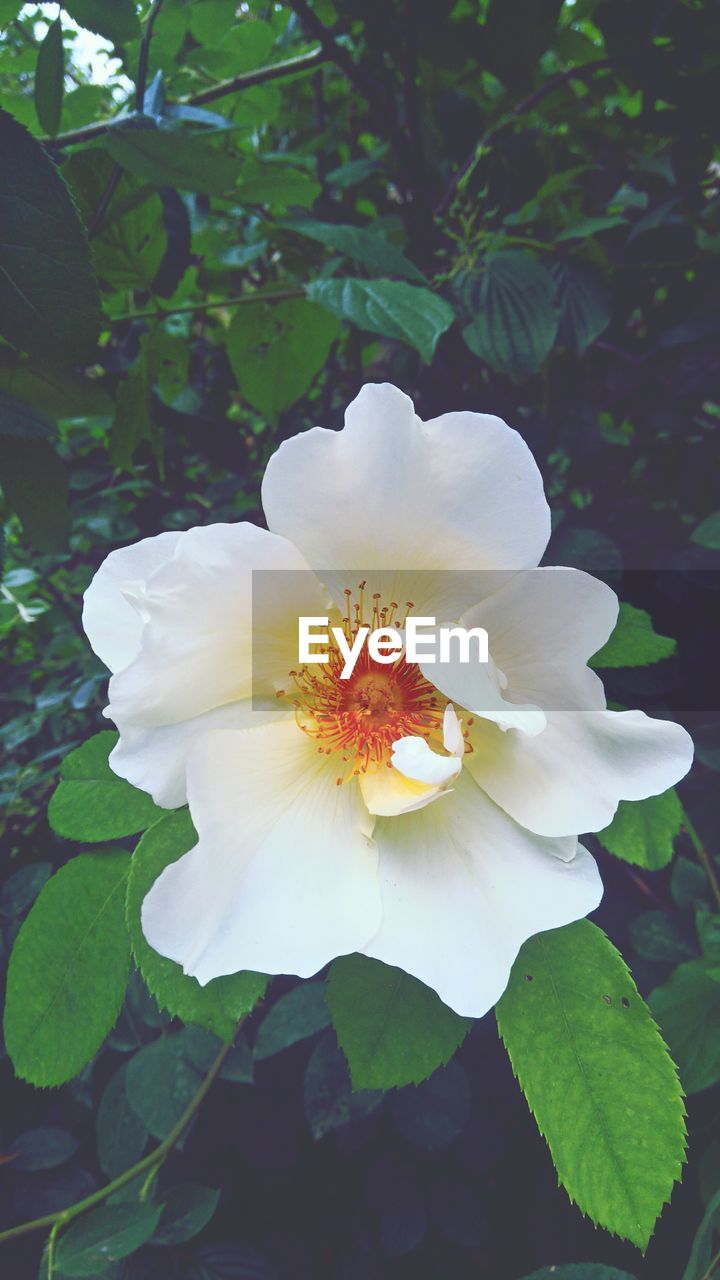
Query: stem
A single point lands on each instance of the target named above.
(152, 1161)
(711, 1267)
(291, 66)
(703, 857)
(144, 57)
(276, 295)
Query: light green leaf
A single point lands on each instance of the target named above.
(688, 1010)
(367, 247)
(92, 803)
(68, 969)
(390, 307)
(184, 161)
(516, 317)
(392, 1029)
(104, 1235)
(186, 1209)
(34, 482)
(130, 242)
(49, 303)
(49, 77)
(610, 1107)
(121, 1134)
(584, 304)
(220, 1004)
(643, 831)
(117, 22)
(294, 1017)
(276, 350)
(633, 643)
(707, 533)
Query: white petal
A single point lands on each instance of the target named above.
(463, 887)
(112, 623)
(543, 625)
(207, 641)
(284, 875)
(415, 758)
(391, 492)
(155, 759)
(477, 687)
(572, 776)
(387, 792)
(453, 740)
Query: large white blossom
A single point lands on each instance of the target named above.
(425, 815)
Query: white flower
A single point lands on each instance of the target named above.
(425, 815)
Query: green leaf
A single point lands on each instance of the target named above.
(131, 241)
(104, 1235)
(229, 1262)
(117, 22)
(688, 1010)
(42, 1149)
(390, 307)
(328, 1098)
(584, 304)
(367, 247)
(707, 533)
(49, 303)
(294, 1017)
(392, 1029)
(161, 1081)
(18, 419)
(34, 482)
(586, 227)
(68, 969)
(433, 1113)
(516, 318)
(186, 1209)
(661, 936)
(276, 350)
(633, 643)
(643, 831)
(121, 1134)
(597, 1077)
(49, 78)
(22, 887)
(699, 1265)
(220, 1004)
(184, 161)
(278, 185)
(92, 803)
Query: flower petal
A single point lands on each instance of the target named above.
(155, 759)
(284, 874)
(543, 625)
(463, 887)
(208, 640)
(390, 492)
(572, 776)
(112, 623)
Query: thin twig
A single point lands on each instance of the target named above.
(291, 66)
(63, 1216)
(144, 56)
(703, 856)
(157, 313)
(575, 73)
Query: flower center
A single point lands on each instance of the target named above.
(362, 716)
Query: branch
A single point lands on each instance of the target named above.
(157, 313)
(291, 66)
(585, 72)
(150, 1161)
(144, 57)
